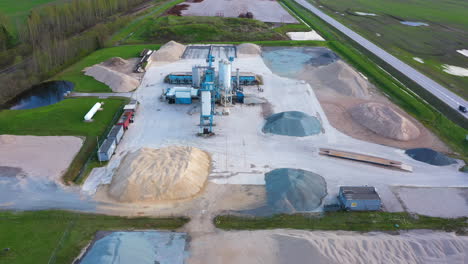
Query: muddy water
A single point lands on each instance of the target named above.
(40, 95)
(137, 247)
(291, 61)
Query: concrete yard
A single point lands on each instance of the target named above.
(241, 153)
(266, 11)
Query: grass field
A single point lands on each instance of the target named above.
(351, 221)
(37, 237)
(436, 44)
(197, 29)
(85, 83)
(63, 118)
(20, 8)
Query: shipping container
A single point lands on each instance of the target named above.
(106, 150)
(116, 133)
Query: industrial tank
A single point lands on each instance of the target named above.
(197, 72)
(224, 76)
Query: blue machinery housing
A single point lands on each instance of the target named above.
(359, 198)
(185, 78)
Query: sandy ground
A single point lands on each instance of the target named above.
(311, 35)
(336, 108)
(31, 179)
(266, 11)
(296, 246)
(434, 201)
(27, 153)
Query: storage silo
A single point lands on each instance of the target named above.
(224, 76)
(197, 72)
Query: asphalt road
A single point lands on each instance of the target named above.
(433, 87)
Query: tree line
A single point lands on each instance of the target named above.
(55, 36)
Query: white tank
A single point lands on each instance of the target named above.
(91, 112)
(224, 76)
(196, 76)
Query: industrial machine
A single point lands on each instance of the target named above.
(209, 88)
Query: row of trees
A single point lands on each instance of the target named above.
(55, 36)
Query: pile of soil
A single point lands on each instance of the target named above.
(430, 156)
(117, 81)
(115, 62)
(339, 77)
(384, 121)
(248, 50)
(294, 190)
(165, 174)
(292, 123)
(169, 52)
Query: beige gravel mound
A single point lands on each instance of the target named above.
(384, 121)
(248, 50)
(117, 81)
(165, 174)
(115, 62)
(340, 78)
(169, 52)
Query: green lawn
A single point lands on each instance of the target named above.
(33, 237)
(436, 44)
(85, 83)
(351, 221)
(63, 118)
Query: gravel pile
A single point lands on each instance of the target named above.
(384, 121)
(292, 123)
(294, 190)
(430, 156)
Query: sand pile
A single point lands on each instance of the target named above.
(292, 123)
(384, 121)
(293, 190)
(248, 50)
(340, 77)
(311, 35)
(117, 81)
(170, 173)
(430, 156)
(455, 70)
(169, 52)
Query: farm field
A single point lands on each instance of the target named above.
(427, 48)
(196, 29)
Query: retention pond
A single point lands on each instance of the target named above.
(47, 93)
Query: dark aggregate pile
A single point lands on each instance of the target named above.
(294, 190)
(292, 123)
(430, 156)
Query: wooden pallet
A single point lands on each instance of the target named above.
(365, 158)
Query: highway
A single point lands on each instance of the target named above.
(433, 87)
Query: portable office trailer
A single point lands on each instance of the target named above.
(106, 150)
(359, 198)
(124, 120)
(116, 133)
